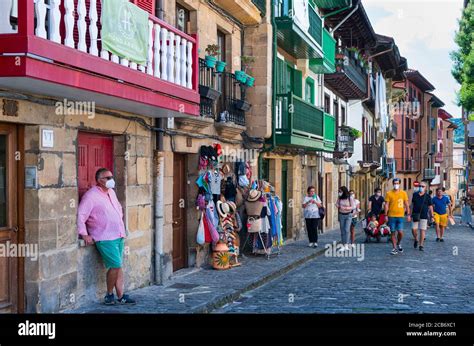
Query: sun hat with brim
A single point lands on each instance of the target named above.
(254, 195)
(226, 169)
(233, 206)
(222, 208)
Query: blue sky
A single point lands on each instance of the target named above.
(424, 32)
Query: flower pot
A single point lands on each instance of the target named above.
(242, 105)
(210, 61)
(220, 66)
(250, 81)
(209, 93)
(221, 257)
(241, 76)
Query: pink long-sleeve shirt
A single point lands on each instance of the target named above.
(100, 215)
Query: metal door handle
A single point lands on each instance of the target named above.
(176, 222)
(15, 229)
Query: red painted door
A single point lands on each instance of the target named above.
(94, 151)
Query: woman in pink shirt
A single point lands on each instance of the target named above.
(345, 205)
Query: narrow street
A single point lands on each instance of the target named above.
(438, 280)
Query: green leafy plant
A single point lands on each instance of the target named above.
(463, 58)
(246, 62)
(212, 50)
(354, 133)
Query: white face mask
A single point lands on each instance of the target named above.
(352, 195)
(110, 184)
(340, 194)
(396, 186)
(378, 194)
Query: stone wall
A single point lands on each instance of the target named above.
(66, 274)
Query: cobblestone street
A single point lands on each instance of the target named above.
(439, 280)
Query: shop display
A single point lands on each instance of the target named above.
(225, 198)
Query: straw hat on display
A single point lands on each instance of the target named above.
(223, 209)
(254, 195)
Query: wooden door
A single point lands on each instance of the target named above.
(94, 151)
(11, 228)
(179, 212)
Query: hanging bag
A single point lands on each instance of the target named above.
(200, 237)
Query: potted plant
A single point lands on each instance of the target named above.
(354, 133)
(242, 76)
(212, 51)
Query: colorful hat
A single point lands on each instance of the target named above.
(254, 195)
(222, 208)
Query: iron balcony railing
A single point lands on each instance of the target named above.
(429, 173)
(345, 142)
(222, 96)
(410, 165)
(371, 153)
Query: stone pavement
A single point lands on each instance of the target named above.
(203, 290)
(439, 280)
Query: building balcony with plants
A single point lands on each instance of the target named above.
(351, 73)
(346, 136)
(85, 50)
(223, 93)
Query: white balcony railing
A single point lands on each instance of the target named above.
(170, 51)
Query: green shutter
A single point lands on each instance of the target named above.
(298, 83)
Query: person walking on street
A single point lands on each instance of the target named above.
(345, 205)
(421, 206)
(466, 212)
(376, 203)
(311, 205)
(355, 216)
(100, 221)
(396, 203)
(441, 212)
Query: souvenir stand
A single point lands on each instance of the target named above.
(264, 227)
(217, 199)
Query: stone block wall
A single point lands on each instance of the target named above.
(66, 274)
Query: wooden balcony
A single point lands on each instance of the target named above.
(302, 124)
(299, 41)
(350, 79)
(59, 53)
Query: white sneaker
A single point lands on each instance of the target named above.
(315, 244)
(310, 244)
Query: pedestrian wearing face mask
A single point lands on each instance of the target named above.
(422, 208)
(345, 206)
(100, 221)
(376, 202)
(396, 203)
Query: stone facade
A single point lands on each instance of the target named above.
(66, 274)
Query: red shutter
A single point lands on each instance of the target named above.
(93, 152)
(147, 5)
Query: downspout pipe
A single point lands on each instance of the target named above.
(273, 103)
(159, 164)
(345, 18)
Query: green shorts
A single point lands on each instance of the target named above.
(111, 252)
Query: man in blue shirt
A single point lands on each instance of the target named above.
(441, 203)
